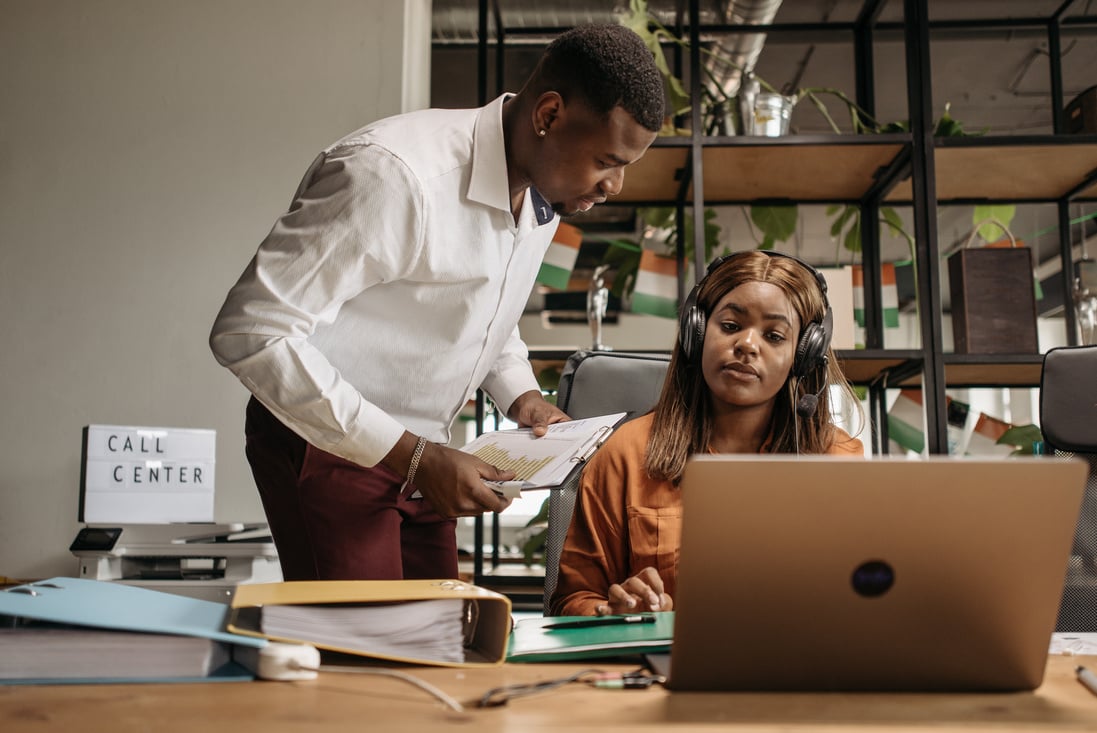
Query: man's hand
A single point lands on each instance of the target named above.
(531, 410)
(452, 481)
(641, 592)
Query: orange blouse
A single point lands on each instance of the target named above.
(625, 521)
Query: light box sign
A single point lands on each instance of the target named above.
(141, 475)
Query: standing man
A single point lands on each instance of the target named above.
(391, 290)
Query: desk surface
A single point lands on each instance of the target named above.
(347, 702)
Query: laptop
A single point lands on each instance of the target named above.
(819, 573)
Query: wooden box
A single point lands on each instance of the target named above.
(1081, 114)
(993, 301)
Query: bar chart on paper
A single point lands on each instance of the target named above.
(546, 461)
(524, 467)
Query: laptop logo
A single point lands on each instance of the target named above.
(873, 578)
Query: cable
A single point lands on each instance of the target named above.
(502, 695)
(380, 671)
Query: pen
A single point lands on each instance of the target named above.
(1087, 678)
(606, 621)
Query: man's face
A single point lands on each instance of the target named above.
(583, 157)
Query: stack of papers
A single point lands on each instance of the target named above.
(46, 654)
(428, 630)
(423, 621)
(69, 630)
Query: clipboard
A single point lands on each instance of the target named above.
(546, 462)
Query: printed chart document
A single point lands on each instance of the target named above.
(545, 462)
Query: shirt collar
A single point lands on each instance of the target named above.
(488, 182)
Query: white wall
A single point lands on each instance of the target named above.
(146, 147)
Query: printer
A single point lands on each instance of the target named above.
(204, 561)
(146, 496)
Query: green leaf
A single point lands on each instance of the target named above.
(637, 19)
(842, 219)
(777, 223)
(852, 241)
(989, 230)
(1022, 436)
(541, 516)
(896, 127)
(624, 262)
(661, 217)
(534, 545)
(893, 221)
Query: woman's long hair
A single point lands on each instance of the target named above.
(684, 413)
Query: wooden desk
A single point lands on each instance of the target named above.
(342, 702)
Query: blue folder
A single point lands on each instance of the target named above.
(116, 606)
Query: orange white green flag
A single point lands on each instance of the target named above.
(889, 295)
(656, 291)
(560, 257)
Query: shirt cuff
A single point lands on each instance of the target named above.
(371, 438)
(508, 385)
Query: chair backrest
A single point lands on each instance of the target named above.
(1068, 419)
(597, 383)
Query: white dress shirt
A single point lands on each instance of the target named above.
(392, 287)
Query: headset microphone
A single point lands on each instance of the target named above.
(806, 405)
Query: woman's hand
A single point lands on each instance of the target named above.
(641, 592)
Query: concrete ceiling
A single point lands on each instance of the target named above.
(995, 79)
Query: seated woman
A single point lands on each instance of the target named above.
(749, 374)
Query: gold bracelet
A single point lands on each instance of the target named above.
(414, 465)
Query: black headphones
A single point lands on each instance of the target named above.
(811, 348)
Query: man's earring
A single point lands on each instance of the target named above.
(542, 132)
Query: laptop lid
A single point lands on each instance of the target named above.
(822, 573)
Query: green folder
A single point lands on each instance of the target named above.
(534, 639)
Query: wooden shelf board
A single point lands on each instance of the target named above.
(757, 172)
(1023, 372)
(795, 172)
(862, 367)
(1013, 172)
(844, 172)
(654, 177)
(1090, 194)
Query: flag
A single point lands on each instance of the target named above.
(889, 295)
(656, 290)
(906, 419)
(984, 439)
(560, 257)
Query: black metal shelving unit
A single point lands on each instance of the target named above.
(871, 171)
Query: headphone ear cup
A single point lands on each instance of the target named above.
(807, 351)
(691, 332)
(811, 352)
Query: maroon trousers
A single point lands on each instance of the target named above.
(335, 520)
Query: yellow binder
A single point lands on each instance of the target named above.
(436, 622)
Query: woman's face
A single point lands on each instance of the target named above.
(750, 344)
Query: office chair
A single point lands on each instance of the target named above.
(1068, 419)
(597, 383)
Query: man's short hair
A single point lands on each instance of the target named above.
(606, 66)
